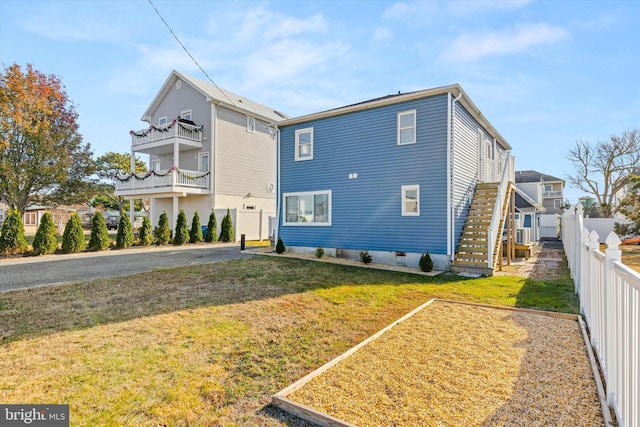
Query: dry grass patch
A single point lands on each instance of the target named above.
(209, 344)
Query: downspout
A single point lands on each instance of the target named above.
(450, 160)
(278, 195)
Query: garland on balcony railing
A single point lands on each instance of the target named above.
(162, 128)
(130, 176)
(191, 127)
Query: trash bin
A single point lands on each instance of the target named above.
(204, 230)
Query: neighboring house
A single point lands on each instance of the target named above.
(396, 176)
(527, 218)
(4, 208)
(208, 149)
(60, 215)
(547, 191)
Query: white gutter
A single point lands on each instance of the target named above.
(278, 193)
(450, 150)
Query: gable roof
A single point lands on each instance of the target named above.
(454, 89)
(535, 176)
(215, 95)
(525, 202)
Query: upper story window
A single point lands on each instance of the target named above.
(186, 115)
(304, 144)
(307, 208)
(410, 200)
(407, 127)
(162, 121)
(203, 162)
(548, 188)
(251, 124)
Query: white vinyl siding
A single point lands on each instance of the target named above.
(407, 127)
(307, 208)
(410, 200)
(304, 144)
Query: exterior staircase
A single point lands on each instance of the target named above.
(472, 255)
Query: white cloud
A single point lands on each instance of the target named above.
(474, 46)
(381, 34)
(414, 10)
(267, 25)
(480, 6)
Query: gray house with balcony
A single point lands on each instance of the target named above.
(207, 148)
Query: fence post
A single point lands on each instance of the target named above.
(592, 279)
(583, 266)
(609, 368)
(577, 235)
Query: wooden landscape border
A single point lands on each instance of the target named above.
(324, 420)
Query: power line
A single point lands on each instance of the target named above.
(189, 53)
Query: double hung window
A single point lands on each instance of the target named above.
(304, 144)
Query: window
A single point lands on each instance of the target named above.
(556, 203)
(186, 114)
(548, 188)
(251, 124)
(203, 162)
(30, 218)
(308, 208)
(410, 200)
(162, 121)
(156, 165)
(407, 127)
(304, 144)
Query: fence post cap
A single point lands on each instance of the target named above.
(584, 233)
(593, 236)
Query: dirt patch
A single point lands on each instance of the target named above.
(453, 364)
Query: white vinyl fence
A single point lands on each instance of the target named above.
(609, 294)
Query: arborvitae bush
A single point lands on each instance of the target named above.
(425, 263)
(226, 231)
(162, 233)
(12, 240)
(319, 252)
(280, 248)
(182, 232)
(212, 228)
(100, 239)
(145, 234)
(125, 237)
(73, 236)
(195, 234)
(45, 241)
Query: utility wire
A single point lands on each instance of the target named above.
(189, 53)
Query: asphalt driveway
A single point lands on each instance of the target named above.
(28, 272)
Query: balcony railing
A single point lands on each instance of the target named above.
(174, 129)
(556, 194)
(162, 180)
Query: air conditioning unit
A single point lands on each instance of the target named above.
(523, 236)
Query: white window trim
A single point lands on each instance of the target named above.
(200, 156)
(307, 224)
(184, 113)
(415, 124)
(251, 129)
(404, 190)
(161, 119)
(157, 162)
(557, 202)
(297, 145)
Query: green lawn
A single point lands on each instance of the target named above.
(209, 344)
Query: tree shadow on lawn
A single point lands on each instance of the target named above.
(45, 310)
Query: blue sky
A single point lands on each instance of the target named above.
(545, 73)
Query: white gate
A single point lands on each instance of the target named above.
(549, 226)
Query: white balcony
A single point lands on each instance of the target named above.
(164, 182)
(554, 194)
(161, 139)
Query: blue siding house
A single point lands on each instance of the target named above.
(394, 176)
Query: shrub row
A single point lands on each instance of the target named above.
(13, 241)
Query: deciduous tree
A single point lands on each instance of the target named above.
(603, 168)
(42, 157)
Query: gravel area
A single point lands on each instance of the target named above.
(453, 364)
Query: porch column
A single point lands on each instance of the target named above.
(172, 226)
(176, 154)
(132, 211)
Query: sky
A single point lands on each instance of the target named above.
(544, 73)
